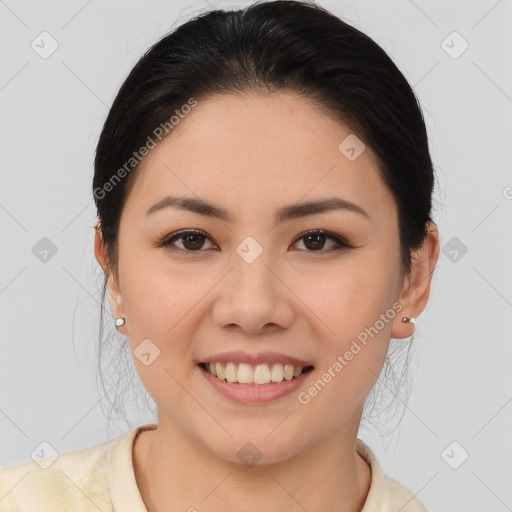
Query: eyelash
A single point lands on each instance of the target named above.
(341, 244)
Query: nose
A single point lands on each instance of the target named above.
(253, 297)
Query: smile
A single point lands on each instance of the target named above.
(254, 375)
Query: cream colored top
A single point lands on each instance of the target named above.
(101, 477)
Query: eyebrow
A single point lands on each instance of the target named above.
(295, 211)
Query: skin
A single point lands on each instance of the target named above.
(251, 155)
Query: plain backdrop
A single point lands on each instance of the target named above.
(453, 446)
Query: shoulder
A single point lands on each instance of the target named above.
(79, 477)
(402, 498)
(73, 477)
(386, 494)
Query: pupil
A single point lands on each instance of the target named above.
(187, 238)
(309, 237)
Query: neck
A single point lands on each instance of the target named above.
(176, 472)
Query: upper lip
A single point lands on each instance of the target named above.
(261, 357)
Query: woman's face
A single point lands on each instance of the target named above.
(251, 282)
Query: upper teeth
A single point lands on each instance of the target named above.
(244, 373)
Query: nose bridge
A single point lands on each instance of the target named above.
(252, 296)
(251, 263)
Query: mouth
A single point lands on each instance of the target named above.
(262, 374)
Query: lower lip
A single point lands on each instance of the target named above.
(254, 394)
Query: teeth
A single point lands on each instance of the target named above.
(231, 373)
(288, 371)
(219, 371)
(244, 373)
(277, 373)
(262, 374)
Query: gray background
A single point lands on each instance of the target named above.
(52, 111)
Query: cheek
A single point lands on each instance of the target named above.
(158, 297)
(354, 305)
(164, 304)
(351, 297)
(352, 358)
(158, 307)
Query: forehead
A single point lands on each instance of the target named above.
(259, 150)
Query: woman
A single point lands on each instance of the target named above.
(263, 185)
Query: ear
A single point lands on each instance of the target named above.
(114, 295)
(416, 286)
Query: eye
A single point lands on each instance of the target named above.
(316, 239)
(193, 241)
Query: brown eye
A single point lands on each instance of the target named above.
(191, 241)
(314, 241)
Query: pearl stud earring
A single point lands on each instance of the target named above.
(119, 322)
